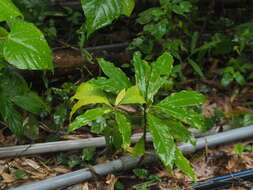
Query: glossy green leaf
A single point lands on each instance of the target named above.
(26, 47)
(8, 10)
(142, 73)
(85, 118)
(162, 66)
(100, 13)
(185, 115)
(183, 164)
(182, 99)
(88, 100)
(179, 131)
(12, 84)
(117, 77)
(127, 7)
(30, 102)
(139, 148)
(11, 116)
(85, 90)
(164, 143)
(125, 129)
(3, 36)
(132, 96)
(105, 84)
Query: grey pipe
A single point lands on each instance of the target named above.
(40, 148)
(58, 146)
(127, 162)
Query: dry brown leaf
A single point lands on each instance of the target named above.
(86, 186)
(62, 169)
(31, 163)
(8, 178)
(110, 181)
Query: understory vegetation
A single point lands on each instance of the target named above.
(89, 68)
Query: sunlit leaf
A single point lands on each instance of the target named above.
(86, 89)
(132, 96)
(120, 97)
(8, 10)
(27, 48)
(88, 100)
(127, 7)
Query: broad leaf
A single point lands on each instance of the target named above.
(132, 96)
(8, 10)
(117, 77)
(127, 7)
(100, 13)
(162, 66)
(179, 131)
(107, 85)
(163, 143)
(86, 89)
(183, 164)
(185, 115)
(182, 99)
(88, 100)
(11, 116)
(120, 97)
(85, 118)
(3, 35)
(139, 148)
(30, 102)
(142, 73)
(125, 129)
(12, 84)
(26, 47)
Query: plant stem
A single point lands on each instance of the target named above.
(145, 125)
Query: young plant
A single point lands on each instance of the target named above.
(164, 119)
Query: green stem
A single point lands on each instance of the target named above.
(145, 125)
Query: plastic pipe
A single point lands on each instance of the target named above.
(40, 148)
(127, 162)
(58, 146)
